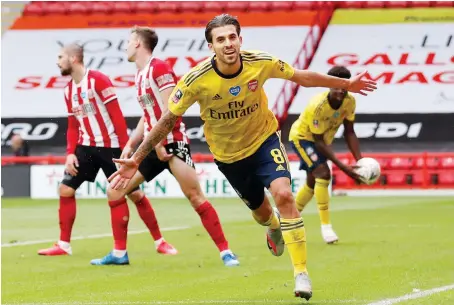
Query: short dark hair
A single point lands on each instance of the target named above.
(340, 71)
(148, 36)
(220, 21)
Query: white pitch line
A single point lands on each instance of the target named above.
(189, 302)
(414, 295)
(94, 236)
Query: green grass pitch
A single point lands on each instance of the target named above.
(388, 247)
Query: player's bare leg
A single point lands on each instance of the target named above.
(67, 216)
(187, 178)
(322, 178)
(265, 215)
(294, 234)
(146, 213)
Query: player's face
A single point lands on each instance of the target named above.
(337, 95)
(133, 43)
(226, 44)
(64, 63)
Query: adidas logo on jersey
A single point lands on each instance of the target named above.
(217, 97)
(280, 168)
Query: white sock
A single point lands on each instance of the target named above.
(118, 253)
(225, 252)
(64, 245)
(158, 242)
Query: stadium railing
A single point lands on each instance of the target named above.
(38, 8)
(424, 170)
(303, 60)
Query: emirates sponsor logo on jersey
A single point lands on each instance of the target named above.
(252, 85)
(236, 111)
(84, 110)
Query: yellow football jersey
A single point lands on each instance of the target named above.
(234, 108)
(320, 118)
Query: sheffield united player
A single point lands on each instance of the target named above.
(97, 132)
(155, 81)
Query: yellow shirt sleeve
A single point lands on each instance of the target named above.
(351, 115)
(181, 98)
(277, 68)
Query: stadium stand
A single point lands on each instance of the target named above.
(415, 164)
(10, 12)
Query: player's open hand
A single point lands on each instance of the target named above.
(361, 86)
(71, 164)
(351, 172)
(121, 178)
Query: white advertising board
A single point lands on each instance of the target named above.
(413, 64)
(45, 179)
(32, 85)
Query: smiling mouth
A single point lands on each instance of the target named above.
(229, 53)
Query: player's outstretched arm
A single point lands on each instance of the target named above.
(328, 152)
(156, 135)
(134, 140)
(352, 139)
(356, 84)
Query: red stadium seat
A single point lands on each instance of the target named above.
(123, 7)
(341, 179)
(55, 8)
(401, 163)
(432, 163)
(213, 6)
(396, 4)
(281, 5)
(304, 5)
(258, 6)
(191, 6)
(420, 3)
(350, 4)
(167, 7)
(234, 6)
(443, 3)
(447, 163)
(101, 7)
(446, 178)
(145, 7)
(33, 8)
(396, 178)
(79, 7)
(374, 4)
(384, 163)
(417, 177)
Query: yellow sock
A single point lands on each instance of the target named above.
(294, 235)
(273, 222)
(322, 197)
(303, 197)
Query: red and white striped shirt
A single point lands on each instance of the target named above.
(150, 81)
(94, 115)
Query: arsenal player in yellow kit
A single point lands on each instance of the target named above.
(241, 132)
(311, 136)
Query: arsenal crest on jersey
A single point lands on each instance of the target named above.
(252, 85)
